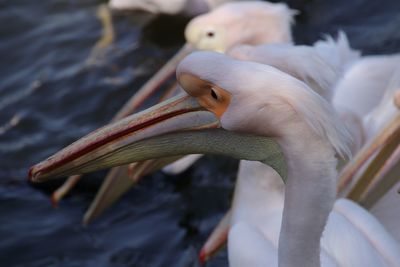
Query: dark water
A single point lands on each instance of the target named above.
(50, 97)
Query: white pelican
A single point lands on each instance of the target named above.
(384, 116)
(321, 66)
(252, 22)
(373, 183)
(368, 78)
(364, 83)
(271, 23)
(251, 101)
(364, 96)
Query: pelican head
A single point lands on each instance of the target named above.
(230, 107)
(252, 22)
(260, 93)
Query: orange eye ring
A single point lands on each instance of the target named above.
(209, 95)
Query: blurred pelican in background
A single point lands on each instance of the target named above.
(372, 177)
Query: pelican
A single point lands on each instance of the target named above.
(385, 115)
(322, 66)
(263, 115)
(272, 20)
(317, 66)
(252, 22)
(371, 82)
(364, 82)
(375, 167)
(367, 77)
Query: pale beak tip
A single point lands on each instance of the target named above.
(54, 201)
(33, 175)
(30, 174)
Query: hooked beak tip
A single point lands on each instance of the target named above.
(33, 175)
(202, 257)
(30, 174)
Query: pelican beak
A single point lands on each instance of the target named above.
(175, 127)
(375, 166)
(111, 145)
(384, 146)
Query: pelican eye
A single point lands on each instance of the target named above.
(214, 94)
(210, 34)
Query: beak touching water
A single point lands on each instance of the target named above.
(185, 124)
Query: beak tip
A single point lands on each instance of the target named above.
(202, 257)
(54, 201)
(33, 175)
(30, 174)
